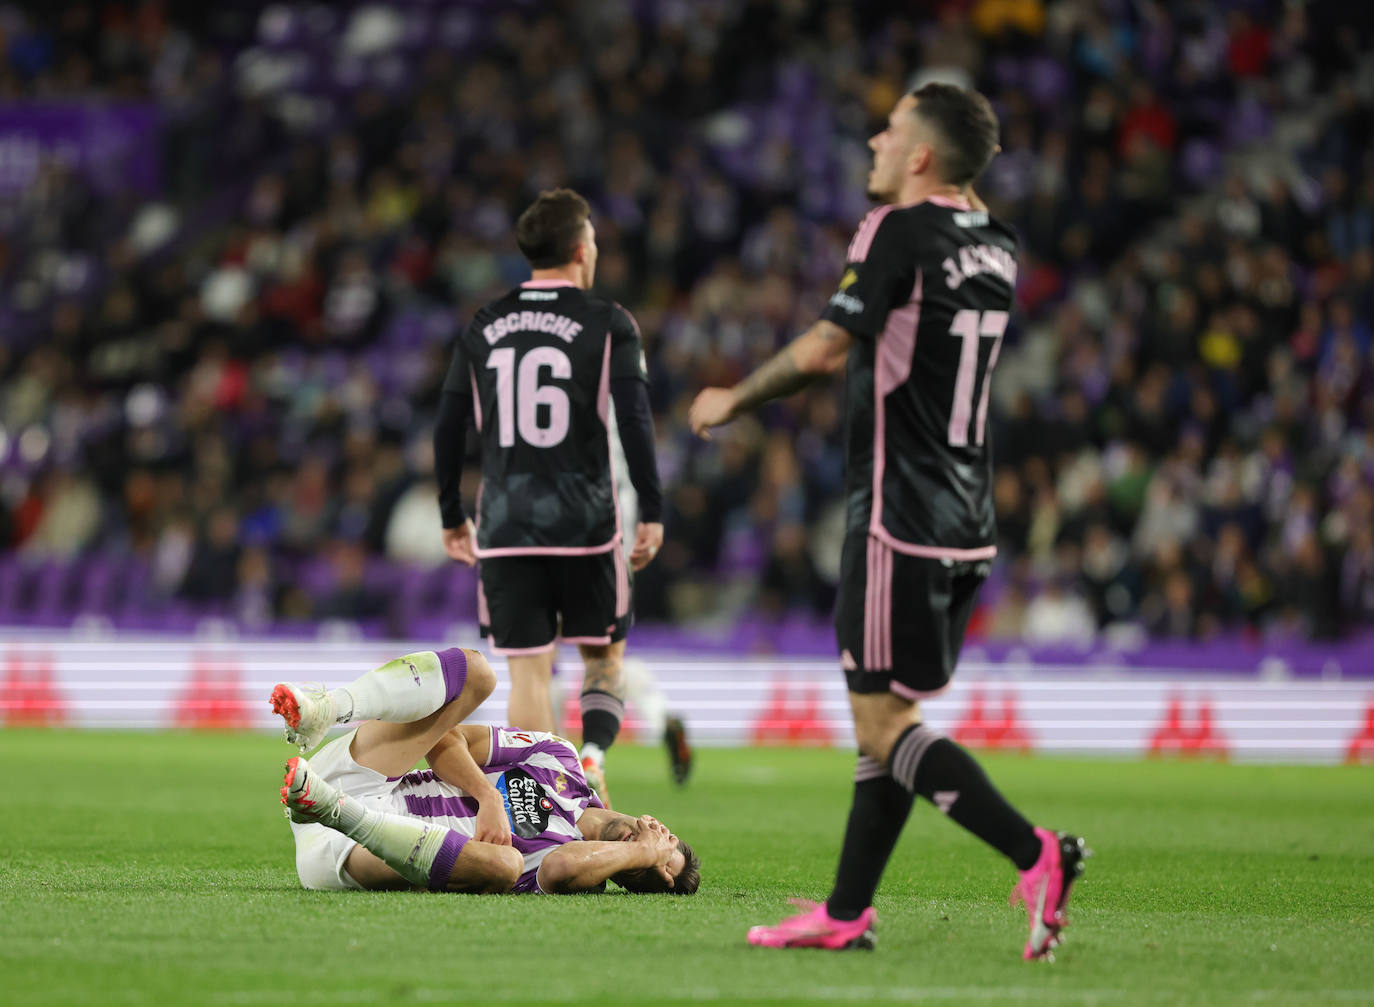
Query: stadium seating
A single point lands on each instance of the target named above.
(333, 194)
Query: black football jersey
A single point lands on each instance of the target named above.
(538, 363)
(927, 292)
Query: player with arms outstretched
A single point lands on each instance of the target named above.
(917, 324)
(497, 809)
(537, 369)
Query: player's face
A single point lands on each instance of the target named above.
(892, 151)
(589, 253)
(647, 879)
(624, 829)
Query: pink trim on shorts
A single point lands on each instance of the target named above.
(933, 551)
(878, 607)
(906, 692)
(521, 651)
(589, 640)
(547, 550)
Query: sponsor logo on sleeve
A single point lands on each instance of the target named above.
(848, 303)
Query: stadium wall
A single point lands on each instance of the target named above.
(1014, 702)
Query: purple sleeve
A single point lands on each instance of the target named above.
(512, 747)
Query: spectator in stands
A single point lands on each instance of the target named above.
(1192, 354)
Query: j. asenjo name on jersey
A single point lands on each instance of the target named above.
(971, 260)
(526, 806)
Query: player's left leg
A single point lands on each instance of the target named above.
(427, 693)
(393, 748)
(406, 689)
(396, 850)
(926, 763)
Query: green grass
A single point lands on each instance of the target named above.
(156, 869)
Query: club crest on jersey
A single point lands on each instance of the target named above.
(526, 806)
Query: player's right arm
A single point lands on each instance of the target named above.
(821, 351)
(878, 276)
(450, 441)
(457, 758)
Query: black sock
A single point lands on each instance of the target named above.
(880, 809)
(931, 765)
(601, 717)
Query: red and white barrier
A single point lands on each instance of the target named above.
(152, 682)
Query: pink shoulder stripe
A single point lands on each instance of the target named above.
(633, 320)
(863, 237)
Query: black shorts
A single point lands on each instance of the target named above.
(525, 603)
(900, 619)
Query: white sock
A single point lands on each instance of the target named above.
(421, 852)
(593, 752)
(405, 690)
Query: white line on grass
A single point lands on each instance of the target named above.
(815, 994)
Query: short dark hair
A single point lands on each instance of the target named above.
(550, 229)
(966, 125)
(649, 882)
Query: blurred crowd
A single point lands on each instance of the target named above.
(241, 369)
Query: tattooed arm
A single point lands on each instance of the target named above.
(819, 352)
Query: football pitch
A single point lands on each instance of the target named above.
(156, 869)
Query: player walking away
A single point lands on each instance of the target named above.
(497, 810)
(917, 322)
(537, 370)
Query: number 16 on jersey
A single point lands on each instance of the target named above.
(519, 396)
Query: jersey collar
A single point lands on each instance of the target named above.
(953, 204)
(548, 283)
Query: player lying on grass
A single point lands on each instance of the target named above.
(498, 809)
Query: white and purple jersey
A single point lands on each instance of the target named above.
(538, 777)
